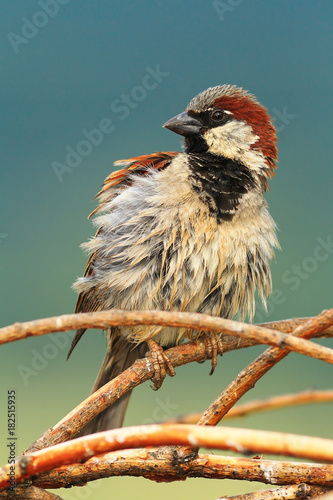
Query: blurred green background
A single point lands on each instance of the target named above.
(66, 66)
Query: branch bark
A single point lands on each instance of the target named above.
(71, 424)
(235, 439)
(292, 492)
(158, 464)
(193, 351)
(27, 492)
(248, 377)
(196, 321)
(273, 403)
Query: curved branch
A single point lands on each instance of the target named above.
(197, 321)
(292, 492)
(83, 448)
(71, 424)
(104, 397)
(159, 465)
(235, 439)
(272, 403)
(27, 492)
(259, 367)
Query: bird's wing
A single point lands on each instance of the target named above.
(120, 179)
(92, 301)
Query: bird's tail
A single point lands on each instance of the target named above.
(120, 355)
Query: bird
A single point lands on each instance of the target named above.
(183, 231)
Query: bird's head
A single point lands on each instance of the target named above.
(228, 121)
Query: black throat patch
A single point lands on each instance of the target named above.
(220, 183)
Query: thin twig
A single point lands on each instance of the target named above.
(97, 402)
(238, 440)
(72, 423)
(326, 496)
(27, 492)
(292, 492)
(196, 321)
(272, 403)
(251, 335)
(103, 320)
(248, 377)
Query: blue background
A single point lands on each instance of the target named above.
(62, 80)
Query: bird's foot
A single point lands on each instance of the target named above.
(213, 347)
(161, 364)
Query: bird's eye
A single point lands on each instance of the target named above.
(217, 116)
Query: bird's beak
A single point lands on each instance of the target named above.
(184, 124)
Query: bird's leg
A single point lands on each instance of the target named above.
(213, 347)
(161, 363)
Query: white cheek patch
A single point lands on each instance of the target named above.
(234, 140)
(230, 139)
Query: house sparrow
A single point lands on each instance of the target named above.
(183, 231)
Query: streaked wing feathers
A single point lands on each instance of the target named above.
(91, 301)
(121, 178)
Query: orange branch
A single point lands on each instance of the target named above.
(160, 465)
(201, 322)
(285, 400)
(238, 440)
(27, 492)
(258, 368)
(292, 492)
